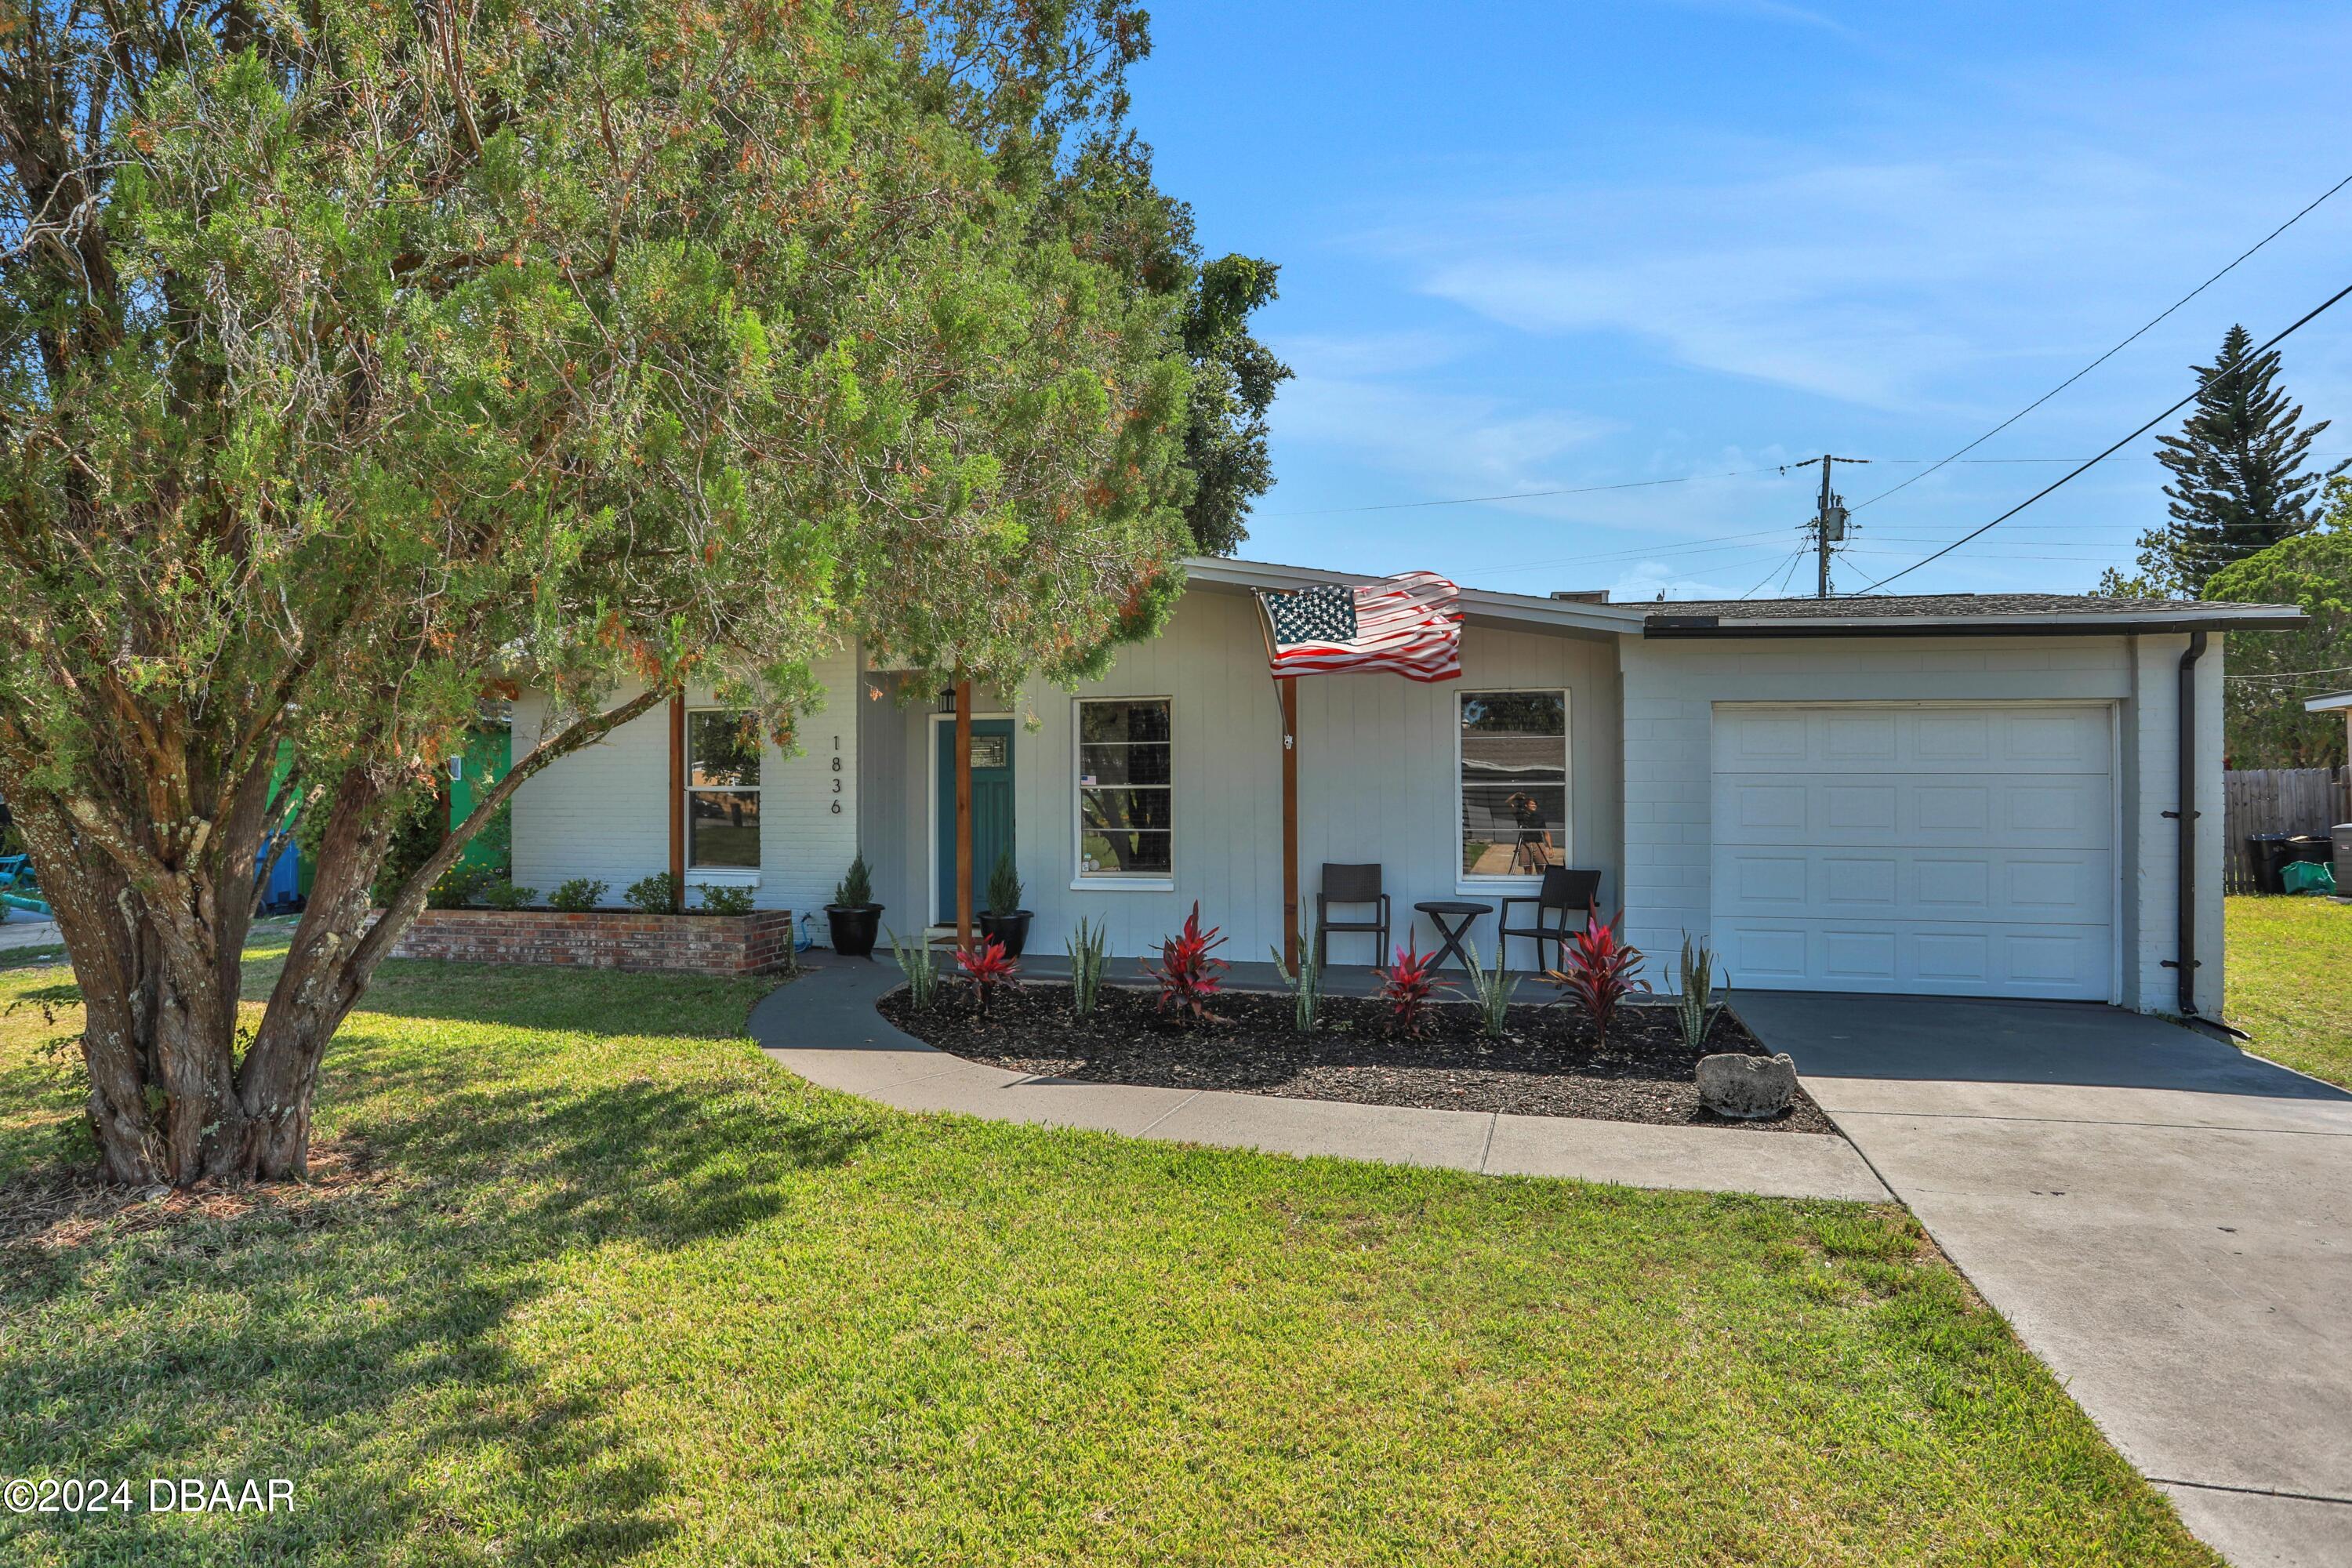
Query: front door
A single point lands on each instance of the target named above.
(991, 809)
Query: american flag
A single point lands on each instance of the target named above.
(1409, 625)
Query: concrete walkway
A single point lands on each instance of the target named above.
(2166, 1220)
(824, 1028)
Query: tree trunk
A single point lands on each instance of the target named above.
(154, 917)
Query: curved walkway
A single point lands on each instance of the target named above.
(824, 1028)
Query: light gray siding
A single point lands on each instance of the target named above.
(1377, 770)
(604, 811)
(1672, 688)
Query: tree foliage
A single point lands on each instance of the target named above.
(351, 355)
(2239, 484)
(2273, 672)
(1148, 235)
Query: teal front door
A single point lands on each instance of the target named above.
(991, 809)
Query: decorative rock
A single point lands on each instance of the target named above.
(1749, 1087)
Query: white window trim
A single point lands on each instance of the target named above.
(1079, 881)
(1465, 881)
(720, 876)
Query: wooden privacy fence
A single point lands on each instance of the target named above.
(2278, 800)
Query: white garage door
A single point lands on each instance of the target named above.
(1955, 851)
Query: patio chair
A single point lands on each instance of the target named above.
(1351, 884)
(1566, 895)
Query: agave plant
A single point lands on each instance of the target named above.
(1306, 983)
(1188, 976)
(1089, 950)
(919, 964)
(1695, 1007)
(1492, 989)
(1599, 970)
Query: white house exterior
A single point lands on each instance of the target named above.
(1967, 797)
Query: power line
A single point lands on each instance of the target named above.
(2111, 353)
(2290, 674)
(2072, 473)
(1775, 568)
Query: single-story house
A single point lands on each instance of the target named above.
(1973, 796)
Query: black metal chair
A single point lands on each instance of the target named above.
(1351, 885)
(1565, 894)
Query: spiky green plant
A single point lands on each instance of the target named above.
(1492, 990)
(1306, 985)
(1694, 1006)
(1089, 950)
(918, 964)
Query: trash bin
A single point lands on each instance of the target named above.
(2265, 854)
(2314, 849)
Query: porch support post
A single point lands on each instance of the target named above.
(963, 815)
(677, 801)
(1289, 686)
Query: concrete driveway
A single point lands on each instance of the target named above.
(2166, 1220)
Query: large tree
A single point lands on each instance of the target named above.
(1148, 235)
(2270, 675)
(2238, 483)
(360, 355)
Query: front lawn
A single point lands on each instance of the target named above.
(588, 1279)
(2290, 982)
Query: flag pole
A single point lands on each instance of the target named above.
(1287, 690)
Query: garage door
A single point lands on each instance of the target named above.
(1954, 851)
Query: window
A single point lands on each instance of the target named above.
(722, 789)
(1125, 789)
(1514, 756)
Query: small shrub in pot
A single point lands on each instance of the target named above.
(1006, 920)
(854, 918)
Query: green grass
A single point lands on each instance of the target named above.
(2290, 982)
(627, 1293)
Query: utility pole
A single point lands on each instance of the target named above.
(1829, 522)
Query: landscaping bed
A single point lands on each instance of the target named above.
(1546, 1064)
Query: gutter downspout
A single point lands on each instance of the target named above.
(2186, 819)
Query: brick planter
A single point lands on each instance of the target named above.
(698, 944)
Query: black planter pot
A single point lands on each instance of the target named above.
(855, 927)
(1011, 929)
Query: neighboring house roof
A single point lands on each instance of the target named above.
(2328, 704)
(1910, 614)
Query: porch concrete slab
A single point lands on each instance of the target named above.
(1706, 1158)
(1396, 1135)
(2166, 1220)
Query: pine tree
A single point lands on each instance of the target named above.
(2238, 485)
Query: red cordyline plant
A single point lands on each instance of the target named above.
(1598, 969)
(987, 968)
(1187, 974)
(1407, 985)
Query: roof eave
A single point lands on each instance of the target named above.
(1671, 627)
(1477, 603)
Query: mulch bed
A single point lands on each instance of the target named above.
(1545, 1065)
(57, 1207)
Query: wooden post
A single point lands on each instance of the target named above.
(1289, 685)
(963, 815)
(677, 802)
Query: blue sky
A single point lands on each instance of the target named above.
(1530, 247)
